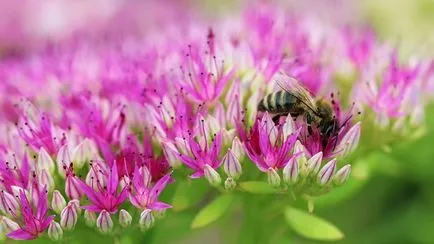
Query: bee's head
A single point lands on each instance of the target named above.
(329, 123)
(324, 109)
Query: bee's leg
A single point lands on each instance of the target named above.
(309, 124)
(336, 136)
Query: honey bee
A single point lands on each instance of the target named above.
(297, 101)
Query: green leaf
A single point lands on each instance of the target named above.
(258, 187)
(188, 193)
(180, 199)
(212, 211)
(311, 226)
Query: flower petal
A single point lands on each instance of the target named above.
(21, 234)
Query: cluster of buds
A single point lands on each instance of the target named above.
(309, 176)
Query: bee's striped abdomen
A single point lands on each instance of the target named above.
(278, 102)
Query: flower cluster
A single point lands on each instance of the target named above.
(94, 129)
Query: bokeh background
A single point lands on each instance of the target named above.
(393, 199)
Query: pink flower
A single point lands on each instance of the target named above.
(359, 46)
(269, 146)
(39, 131)
(142, 195)
(267, 38)
(172, 116)
(131, 156)
(35, 221)
(198, 155)
(203, 76)
(87, 113)
(106, 197)
(398, 93)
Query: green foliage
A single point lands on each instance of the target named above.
(188, 193)
(212, 211)
(257, 187)
(312, 227)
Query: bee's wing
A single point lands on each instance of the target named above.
(294, 87)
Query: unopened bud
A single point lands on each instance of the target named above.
(238, 149)
(63, 158)
(228, 135)
(231, 165)
(181, 144)
(72, 187)
(299, 148)
(8, 204)
(273, 177)
(326, 173)
(55, 232)
(314, 163)
(230, 184)
(104, 222)
(290, 171)
(342, 175)
(83, 153)
(89, 218)
(45, 161)
(58, 202)
(213, 124)
(350, 141)
(267, 121)
(212, 176)
(68, 217)
(171, 154)
(303, 164)
(96, 177)
(125, 218)
(45, 178)
(76, 204)
(289, 127)
(146, 220)
(8, 225)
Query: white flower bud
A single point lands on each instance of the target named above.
(273, 177)
(171, 154)
(45, 161)
(290, 171)
(125, 218)
(325, 175)
(212, 176)
(58, 202)
(45, 178)
(8, 225)
(238, 149)
(146, 220)
(104, 222)
(342, 175)
(69, 217)
(314, 163)
(89, 218)
(8, 204)
(83, 153)
(55, 232)
(231, 165)
(350, 141)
